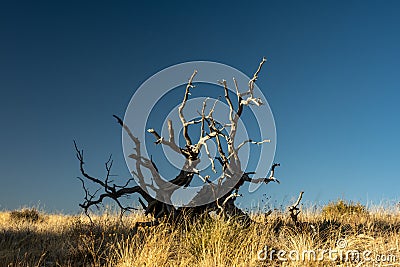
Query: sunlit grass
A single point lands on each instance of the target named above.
(62, 240)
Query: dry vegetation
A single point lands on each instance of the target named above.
(30, 238)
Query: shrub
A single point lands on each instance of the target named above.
(341, 208)
(29, 215)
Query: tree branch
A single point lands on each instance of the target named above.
(161, 140)
(294, 210)
(182, 106)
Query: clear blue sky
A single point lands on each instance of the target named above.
(67, 66)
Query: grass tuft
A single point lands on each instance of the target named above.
(342, 208)
(28, 215)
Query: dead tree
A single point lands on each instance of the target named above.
(294, 210)
(231, 178)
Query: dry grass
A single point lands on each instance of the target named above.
(61, 240)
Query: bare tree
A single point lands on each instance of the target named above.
(231, 178)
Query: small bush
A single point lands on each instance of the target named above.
(341, 208)
(28, 215)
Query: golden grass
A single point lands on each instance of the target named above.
(62, 240)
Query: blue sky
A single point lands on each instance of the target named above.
(331, 80)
